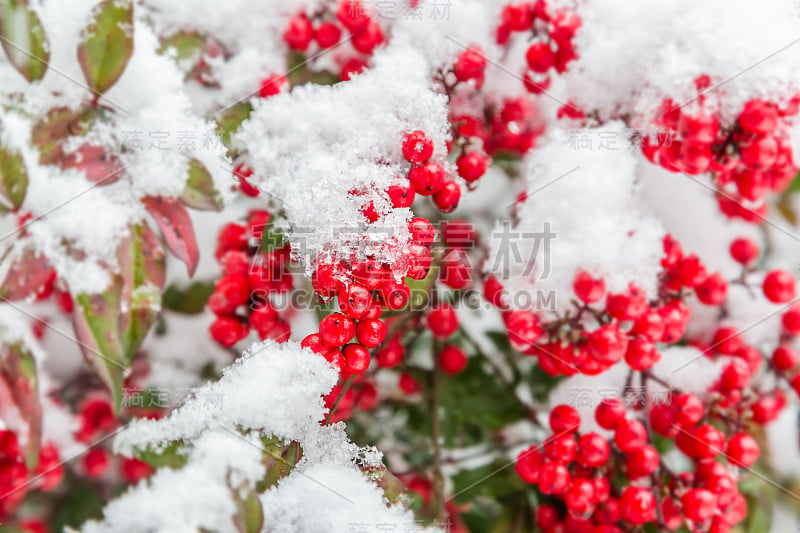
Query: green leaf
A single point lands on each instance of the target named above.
(279, 459)
(144, 268)
(250, 514)
(13, 179)
(60, 124)
(24, 40)
(172, 455)
(95, 320)
(271, 239)
(469, 416)
(18, 370)
(107, 44)
(297, 70)
(176, 226)
(199, 192)
(189, 301)
(230, 120)
(324, 77)
(188, 47)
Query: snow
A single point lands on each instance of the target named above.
(310, 148)
(583, 211)
(273, 390)
(634, 54)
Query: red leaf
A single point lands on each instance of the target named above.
(26, 274)
(176, 226)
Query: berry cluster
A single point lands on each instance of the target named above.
(552, 33)
(591, 338)
(241, 297)
(508, 130)
(425, 177)
(578, 469)
(325, 26)
(15, 478)
(747, 159)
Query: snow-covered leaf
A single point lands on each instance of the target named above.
(176, 226)
(24, 274)
(200, 192)
(144, 270)
(107, 44)
(24, 39)
(13, 179)
(96, 323)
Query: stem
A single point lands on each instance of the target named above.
(344, 390)
(438, 477)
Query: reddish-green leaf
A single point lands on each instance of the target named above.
(144, 269)
(18, 370)
(96, 323)
(176, 226)
(13, 179)
(107, 44)
(199, 192)
(24, 40)
(24, 273)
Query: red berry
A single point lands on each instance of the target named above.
(394, 294)
(779, 286)
(428, 179)
(354, 300)
(607, 344)
(791, 320)
(630, 435)
(649, 326)
(417, 147)
(458, 233)
(472, 166)
(134, 470)
(642, 462)
(540, 57)
(554, 478)
(242, 172)
(760, 153)
(744, 251)
(408, 384)
(370, 333)
(352, 15)
(707, 442)
(95, 462)
(713, 290)
(336, 329)
(269, 87)
(422, 231)
(447, 198)
(356, 358)
(367, 39)
(593, 450)
(580, 497)
(742, 450)
(628, 305)
(352, 68)
(692, 271)
(528, 463)
(469, 65)
(402, 194)
(735, 375)
(609, 413)
(588, 288)
(327, 34)
(314, 343)
(758, 116)
(452, 360)
(391, 354)
(369, 273)
(637, 505)
(230, 292)
(688, 409)
(564, 419)
(698, 128)
(443, 321)
(641, 354)
(299, 33)
(335, 357)
(228, 330)
(231, 237)
(698, 504)
(517, 17)
(523, 329)
(784, 358)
